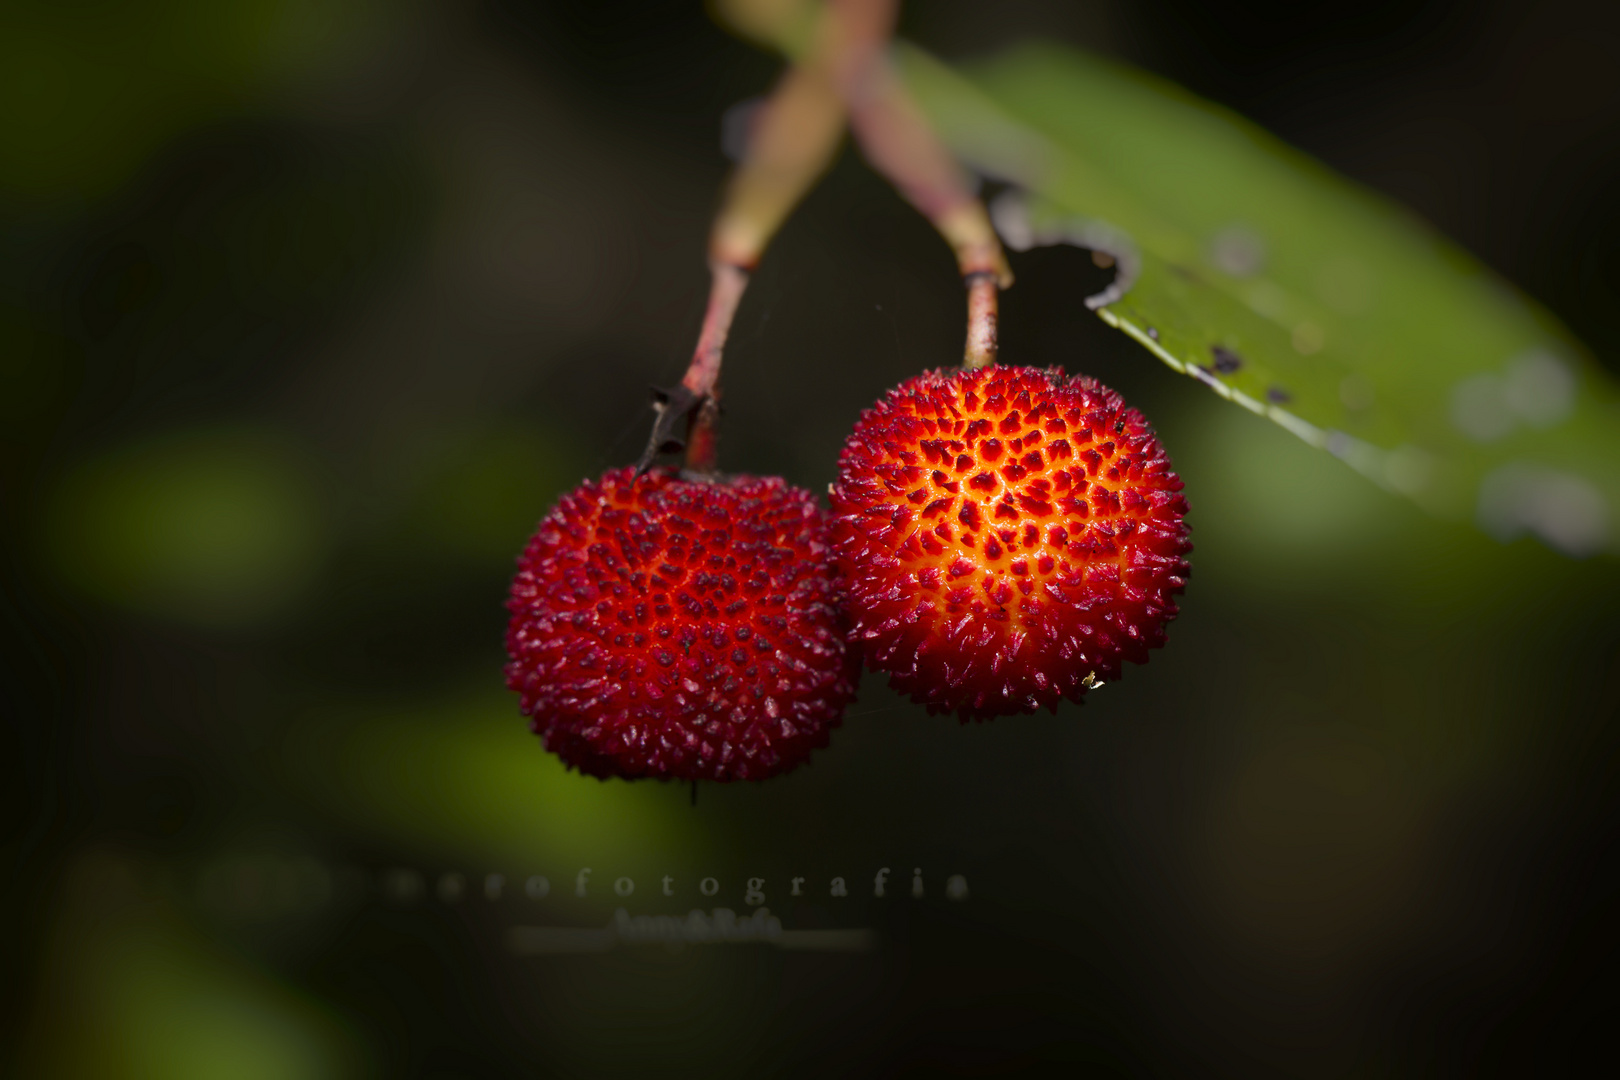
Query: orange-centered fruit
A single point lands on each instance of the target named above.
(1008, 537)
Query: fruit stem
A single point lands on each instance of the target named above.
(703, 437)
(702, 378)
(726, 284)
(983, 316)
(901, 144)
(792, 142)
(895, 136)
(841, 64)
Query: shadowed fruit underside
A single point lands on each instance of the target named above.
(677, 629)
(1008, 537)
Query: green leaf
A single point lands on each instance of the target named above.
(1294, 293)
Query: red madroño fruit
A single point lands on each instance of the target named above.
(680, 629)
(1008, 537)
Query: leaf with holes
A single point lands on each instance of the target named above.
(1292, 292)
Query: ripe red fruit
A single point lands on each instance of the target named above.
(1008, 537)
(680, 629)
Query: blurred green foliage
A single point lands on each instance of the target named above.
(37, 370)
(1290, 508)
(454, 783)
(132, 992)
(474, 493)
(90, 90)
(217, 527)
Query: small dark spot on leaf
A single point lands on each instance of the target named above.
(1278, 395)
(1183, 273)
(1226, 361)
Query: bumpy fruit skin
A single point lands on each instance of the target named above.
(680, 629)
(1006, 535)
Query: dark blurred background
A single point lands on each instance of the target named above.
(309, 310)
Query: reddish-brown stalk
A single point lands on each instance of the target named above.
(794, 136)
(841, 69)
(899, 142)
